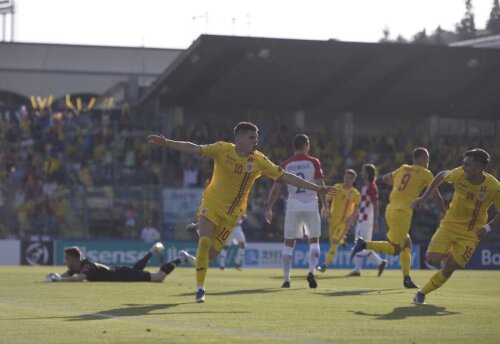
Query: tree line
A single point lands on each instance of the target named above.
(464, 30)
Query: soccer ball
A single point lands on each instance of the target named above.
(52, 277)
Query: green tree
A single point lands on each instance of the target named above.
(493, 24)
(401, 39)
(438, 36)
(466, 29)
(421, 37)
(386, 33)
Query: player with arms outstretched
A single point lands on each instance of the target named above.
(407, 182)
(466, 221)
(343, 208)
(236, 167)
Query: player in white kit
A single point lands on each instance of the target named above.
(237, 238)
(302, 208)
(367, 220)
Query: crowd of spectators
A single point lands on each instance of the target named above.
(46, 155)
(387, 152)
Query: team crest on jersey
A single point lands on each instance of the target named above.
(249, 166)
(481, 196)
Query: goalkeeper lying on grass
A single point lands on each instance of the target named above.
(82, 269)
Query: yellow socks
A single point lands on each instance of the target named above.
(202, 260)
(331, 254)
(434, 283)
(380, 246)
(405, 258)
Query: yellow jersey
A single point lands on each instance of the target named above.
(470, 203)
(234, 175)
(344, 201)
(408, 183)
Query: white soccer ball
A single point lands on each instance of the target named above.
(52, 277)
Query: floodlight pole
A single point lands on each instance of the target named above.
(12, 16)
(5, 11)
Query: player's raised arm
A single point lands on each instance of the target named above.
(438, 180)
(273, 196)
(387, 179)
(292, 179)
(438, 199)
(181, 146)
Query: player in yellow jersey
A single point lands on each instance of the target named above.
(236, 167)
(465, 222)
(407, 182)
(343, 208)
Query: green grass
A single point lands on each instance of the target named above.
(250, 307)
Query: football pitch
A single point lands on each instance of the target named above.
(248, 307)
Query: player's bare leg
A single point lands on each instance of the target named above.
(205, 250)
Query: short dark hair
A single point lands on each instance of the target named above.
(73, 251)
(351, 171)
(244, 127)
(371, 171)
(300, 140)
(419, 152)
(479, 155)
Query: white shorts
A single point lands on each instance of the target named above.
(236, 237)
(365, 230)
(299, 222)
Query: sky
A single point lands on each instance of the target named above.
(176, 24)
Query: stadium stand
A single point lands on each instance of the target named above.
(66, 173)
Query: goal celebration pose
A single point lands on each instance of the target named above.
(465, 222)
(236, 167)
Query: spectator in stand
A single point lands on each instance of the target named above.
(129, 215)
(190, 174)
(149, 233)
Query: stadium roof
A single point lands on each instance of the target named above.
(41, 69)
(480, 42)
(332, 77)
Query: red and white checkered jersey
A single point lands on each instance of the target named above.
(307, 168)
(369, 194)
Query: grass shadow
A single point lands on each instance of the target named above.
(323, 277)
(240, 292)
(357, 292)
(130, 310)
(400, 313)
(104, 315)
